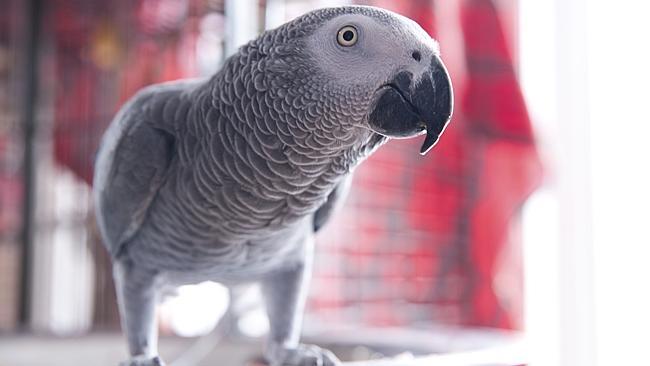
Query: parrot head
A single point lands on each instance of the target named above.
(383, 68)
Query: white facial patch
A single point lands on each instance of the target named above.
(385, 46)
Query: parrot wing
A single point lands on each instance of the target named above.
(334, 201)
(134, 161)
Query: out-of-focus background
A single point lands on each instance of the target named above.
(521, 235)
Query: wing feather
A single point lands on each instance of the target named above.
(134, 160)
(334, 201)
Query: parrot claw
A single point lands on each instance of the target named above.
(142, 360)
(303, 355)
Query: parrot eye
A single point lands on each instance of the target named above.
(347, 36)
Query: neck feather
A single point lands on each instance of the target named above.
(279, 147)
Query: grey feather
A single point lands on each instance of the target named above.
(225, 173)
(133, 162)
(227, 179)
(334, 201)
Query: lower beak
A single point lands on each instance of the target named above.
(402, 109)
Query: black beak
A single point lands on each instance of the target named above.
(402, 109)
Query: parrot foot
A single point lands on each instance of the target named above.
(142, 360)
(303, 355)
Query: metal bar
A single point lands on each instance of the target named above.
(242, 23)
(30, 103)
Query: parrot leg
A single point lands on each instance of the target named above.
(137, 295)
(285, 294)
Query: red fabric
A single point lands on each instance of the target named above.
(498, 138)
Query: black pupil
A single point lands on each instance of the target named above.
(348, 35)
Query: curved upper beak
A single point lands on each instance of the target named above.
(405, 109)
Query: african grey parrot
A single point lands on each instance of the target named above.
(228, 179)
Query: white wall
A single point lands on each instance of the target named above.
(619, 77)
(587, 250)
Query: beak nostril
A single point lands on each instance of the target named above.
(416, 56)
